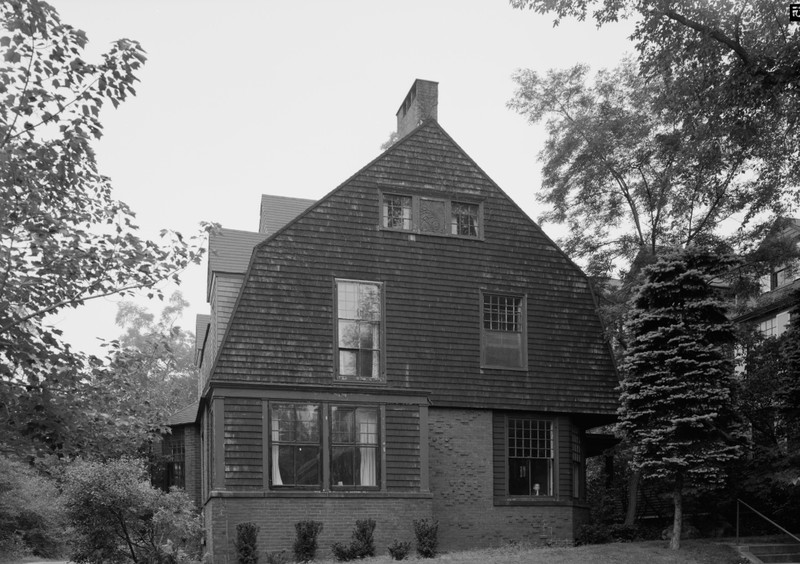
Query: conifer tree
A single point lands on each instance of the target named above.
(678, 377)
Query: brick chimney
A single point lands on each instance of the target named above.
(420, 104)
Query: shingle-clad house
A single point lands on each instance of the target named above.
(411, 345)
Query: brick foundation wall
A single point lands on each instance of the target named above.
(461, 482)
(276, 517)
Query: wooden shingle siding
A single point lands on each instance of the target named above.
(402, 449)
(282, 331)
(244, 442)
(226, 288)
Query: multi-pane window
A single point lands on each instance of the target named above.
(295, 451)
(176, 467)
(358, 330)
(768, 327)
(464, 219)
(397, 212)
(577, 464)
(503, 341)
(431, 215)
(354, 446)
(530, 457)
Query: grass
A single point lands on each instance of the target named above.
(650, 552)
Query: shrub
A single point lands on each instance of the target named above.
(427, 532)
(278, 557)
(117, 516)
(305, 543)
(247, 543)
(399, 550)
(362, 545)
(31, 516)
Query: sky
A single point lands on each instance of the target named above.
(240, 98)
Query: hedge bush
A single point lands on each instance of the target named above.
(305, 543)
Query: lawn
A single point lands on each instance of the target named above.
(651, 552)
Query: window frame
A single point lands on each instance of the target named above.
(523, 333)
(415, 222)
(176, 466)
(380, 379)
(333, 444)
(271, 443)
(552, 492)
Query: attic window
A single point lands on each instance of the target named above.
(432, 216)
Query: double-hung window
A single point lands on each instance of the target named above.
(577, 464)
(176, 467)
(503, 332)
(431, 215)
(354, 446)
(530, 457)
(359, 330)
(295, 433)
(297, 448)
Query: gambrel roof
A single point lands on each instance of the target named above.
(281, 330)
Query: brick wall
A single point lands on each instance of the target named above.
(276, 517)
(461, 482)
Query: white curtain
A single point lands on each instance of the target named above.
(367, 423)
(276, 469)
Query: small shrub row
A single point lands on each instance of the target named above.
(361, 546)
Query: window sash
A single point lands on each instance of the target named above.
(354, 446)
(295, 445)
(503, 331)
(530, 456)
(359, 329)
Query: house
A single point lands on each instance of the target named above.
(410, 346)
(769, 312)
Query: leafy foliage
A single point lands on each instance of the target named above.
(117, 516)
(247, 543)
(725, 63)
(626, 176)
(427, 533)
(676, 395)
(305, 543)
(398, 550)
(63, 238)
(362, 544)
(31, 515)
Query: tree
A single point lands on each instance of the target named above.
(63, 238)
(155, 360)
(727, 64)
(118, 516)
(627, 178)
(676, 395)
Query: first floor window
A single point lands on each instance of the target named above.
(297, 448)
(354, 446)
(530, 457)
(295, 445)
(176, 468)
(577, 464)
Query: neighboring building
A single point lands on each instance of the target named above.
(769, 312)
(411, 345)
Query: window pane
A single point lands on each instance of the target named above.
(347, 363)
(286, 464)
(369, 302)
(343, 423)
(307, 464)
(368, 365)
(518, 477)
(348, 334)
(347, 299)
(343, 466)
(503, 349)
(369, 336)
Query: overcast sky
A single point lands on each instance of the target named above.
(242, 98)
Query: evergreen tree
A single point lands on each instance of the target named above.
(676, 394)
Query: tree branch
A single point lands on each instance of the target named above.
(734, 46)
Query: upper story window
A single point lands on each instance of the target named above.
(530, 457)
(503, 332)
(434, 216)
(359, 330)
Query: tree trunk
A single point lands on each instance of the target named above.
(677, 522)
(633, 496)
